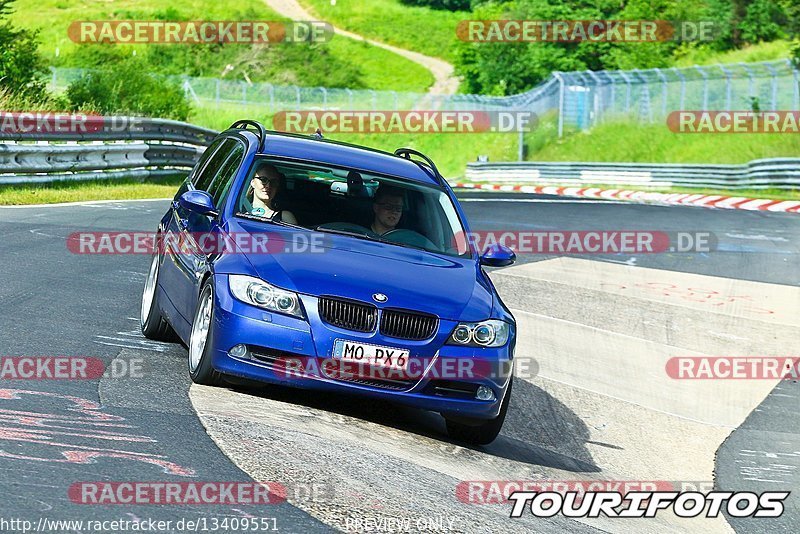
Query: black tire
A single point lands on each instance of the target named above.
(153, 324)
(202, 372)
(479, 432)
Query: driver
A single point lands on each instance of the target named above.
(388, 208)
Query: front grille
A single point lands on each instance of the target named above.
(408, 325)
(383, 383)
(348, 314)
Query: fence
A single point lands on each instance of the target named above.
(155, 147)
(775, 173)
(580, 99)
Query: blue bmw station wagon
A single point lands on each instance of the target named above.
(343, 269)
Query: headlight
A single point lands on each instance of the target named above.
(489, 333)
(259, 293)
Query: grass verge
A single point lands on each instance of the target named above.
(83, 191)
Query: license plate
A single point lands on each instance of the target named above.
(375, 355)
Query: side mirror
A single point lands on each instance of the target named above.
(498, 255)
(197, 202)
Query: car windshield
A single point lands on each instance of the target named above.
(353, 203)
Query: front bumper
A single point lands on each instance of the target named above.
(298, 353)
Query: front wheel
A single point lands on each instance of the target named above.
(200, 369)
(479, 432)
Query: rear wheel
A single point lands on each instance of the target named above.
(152, 322)
(200, 369)
(479, 432)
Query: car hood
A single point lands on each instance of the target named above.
(449, 287)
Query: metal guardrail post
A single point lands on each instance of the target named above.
(663, 91)
(561, 88)
(598, 84)
(774, 74)
(751, 85)
(705, 86)
(627, 89)
(683, 86)
(644, 95)
(727, 86)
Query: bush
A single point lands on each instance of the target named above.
(21, 67)
(126, 87)
(449, 5)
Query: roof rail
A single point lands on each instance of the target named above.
(408, 152)
(244, 123)
(262, 132)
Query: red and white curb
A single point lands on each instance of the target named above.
(680, 199)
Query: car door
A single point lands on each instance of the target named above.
(190, 262)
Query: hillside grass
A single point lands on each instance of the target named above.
(771, 51)
(428, 31)
(655, 143)
(380, 69)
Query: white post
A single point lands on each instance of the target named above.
(560, 103)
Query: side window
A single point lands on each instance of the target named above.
(214, 165)
(221, 184)
(204, 159)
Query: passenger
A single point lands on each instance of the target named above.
(388, 209)
(265, 186)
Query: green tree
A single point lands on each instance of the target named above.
(763, 21)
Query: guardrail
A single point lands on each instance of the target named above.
(145, 148)
(774, 173)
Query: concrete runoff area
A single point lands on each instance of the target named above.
(602, 406)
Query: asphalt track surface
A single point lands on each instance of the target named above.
(53, 302)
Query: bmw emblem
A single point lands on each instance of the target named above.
(380, 297)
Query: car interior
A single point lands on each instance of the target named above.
(342, 200)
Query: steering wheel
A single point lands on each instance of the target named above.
(345, 227)
(410, 237)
